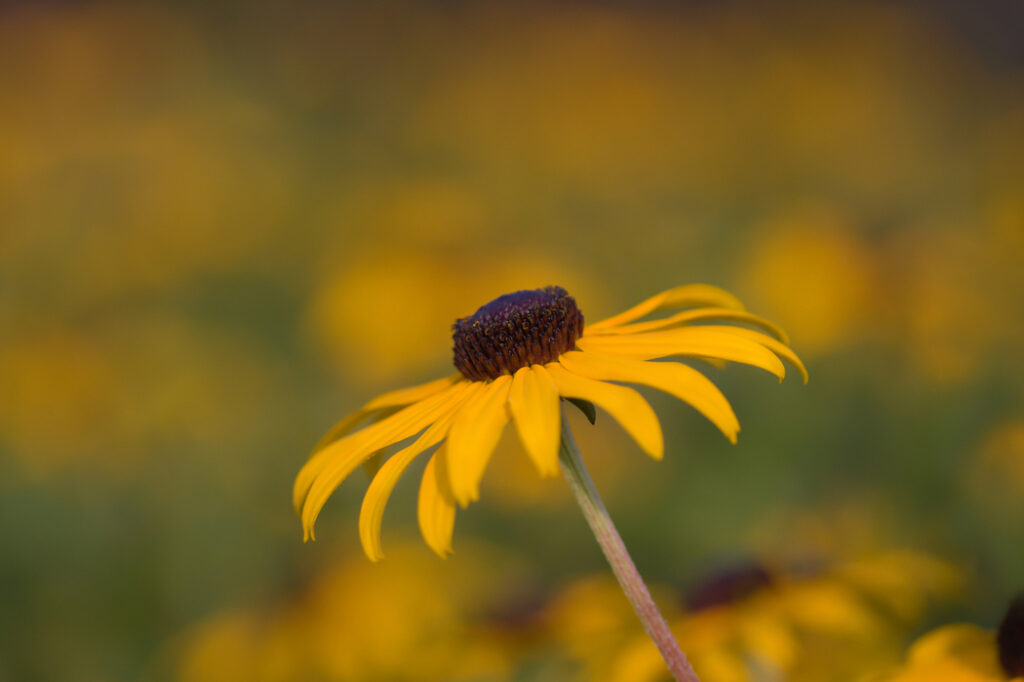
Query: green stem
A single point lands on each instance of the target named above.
(622, 565)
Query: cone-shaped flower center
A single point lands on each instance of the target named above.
(516, 330)
(728, 585)
(1011, 638)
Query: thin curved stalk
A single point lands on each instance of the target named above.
(622, 564)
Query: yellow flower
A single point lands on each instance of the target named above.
(752, 622)
(813, 249)
(967, 653)
(405, 620)
(516, 357)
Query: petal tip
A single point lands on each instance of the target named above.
(442, 552)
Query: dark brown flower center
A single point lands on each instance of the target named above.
(728, 585)
(516, 330)
(1010, 638)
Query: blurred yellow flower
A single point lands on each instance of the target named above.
(591, 620)
(516, 357)
(104, 396)
(59, 392)
(950, 302)
(966, 653)
(812, 250)
(952, 653)
(408, 620)
(751, 623)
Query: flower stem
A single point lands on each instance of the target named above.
(615, 551)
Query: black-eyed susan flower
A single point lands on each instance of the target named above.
(754, 621)
(963, 652)
(516, 358)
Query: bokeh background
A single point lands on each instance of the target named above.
(225, 225)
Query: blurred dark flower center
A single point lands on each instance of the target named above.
(728, 585)
(1010, 638)
(516, 330)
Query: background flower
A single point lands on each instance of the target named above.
(750, 620)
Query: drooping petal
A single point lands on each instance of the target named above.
(379, 432)
(384, 406)
(346, 424)
(624, 404)
(775, 346)
(698, 315)
(328, 468)
(674, 378)
(473, 437)
(372, 512)
(533, 402)
(436, 506)
(375, 501)
(412, 394)
(699, 342)
(685, 296)
(960, 646)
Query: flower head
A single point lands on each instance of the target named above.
(517, 356)
(762, 619)
(516, 330)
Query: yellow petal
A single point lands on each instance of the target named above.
(376, 498)
(698, 315)
(676, 379)
(345, 425)
(372, 512)
(830, 607)
(769, 638)
(406, 396)
(962, 642)
(384, 406)
(436, 507)
(780, 349)
(473, 437)
(624, 404)
(328, 468)
(533, 402)
(375, 431)
(685, 296)
(699, 342)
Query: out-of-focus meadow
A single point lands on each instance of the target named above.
(224, 226)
